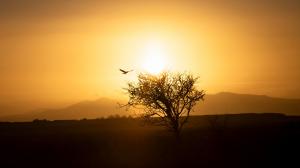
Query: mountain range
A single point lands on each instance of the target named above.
(221, 103)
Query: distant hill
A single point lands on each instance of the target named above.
(232, 103)
(221, 103)
(102, 107)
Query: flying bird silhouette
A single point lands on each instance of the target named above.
(124, 71)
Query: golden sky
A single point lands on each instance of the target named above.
(71, 50)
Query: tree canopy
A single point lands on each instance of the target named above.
(167, 98)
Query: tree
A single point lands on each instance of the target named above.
(167, 98)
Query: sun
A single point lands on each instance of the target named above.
(155, 55)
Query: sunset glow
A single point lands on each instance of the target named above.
(154, 57)
(54, 53)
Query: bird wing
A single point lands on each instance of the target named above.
(122, 70)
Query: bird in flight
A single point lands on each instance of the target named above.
(124, 71)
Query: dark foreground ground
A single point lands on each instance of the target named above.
(248, 140)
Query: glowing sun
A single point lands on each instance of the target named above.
(154, 57)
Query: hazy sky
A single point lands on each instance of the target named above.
(55, 51)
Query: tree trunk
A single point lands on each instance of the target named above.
(177, 133)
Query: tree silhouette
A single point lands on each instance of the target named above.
(167, 98)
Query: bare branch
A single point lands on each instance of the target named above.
(167, 98)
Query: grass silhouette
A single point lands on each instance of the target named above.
(248, 140)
